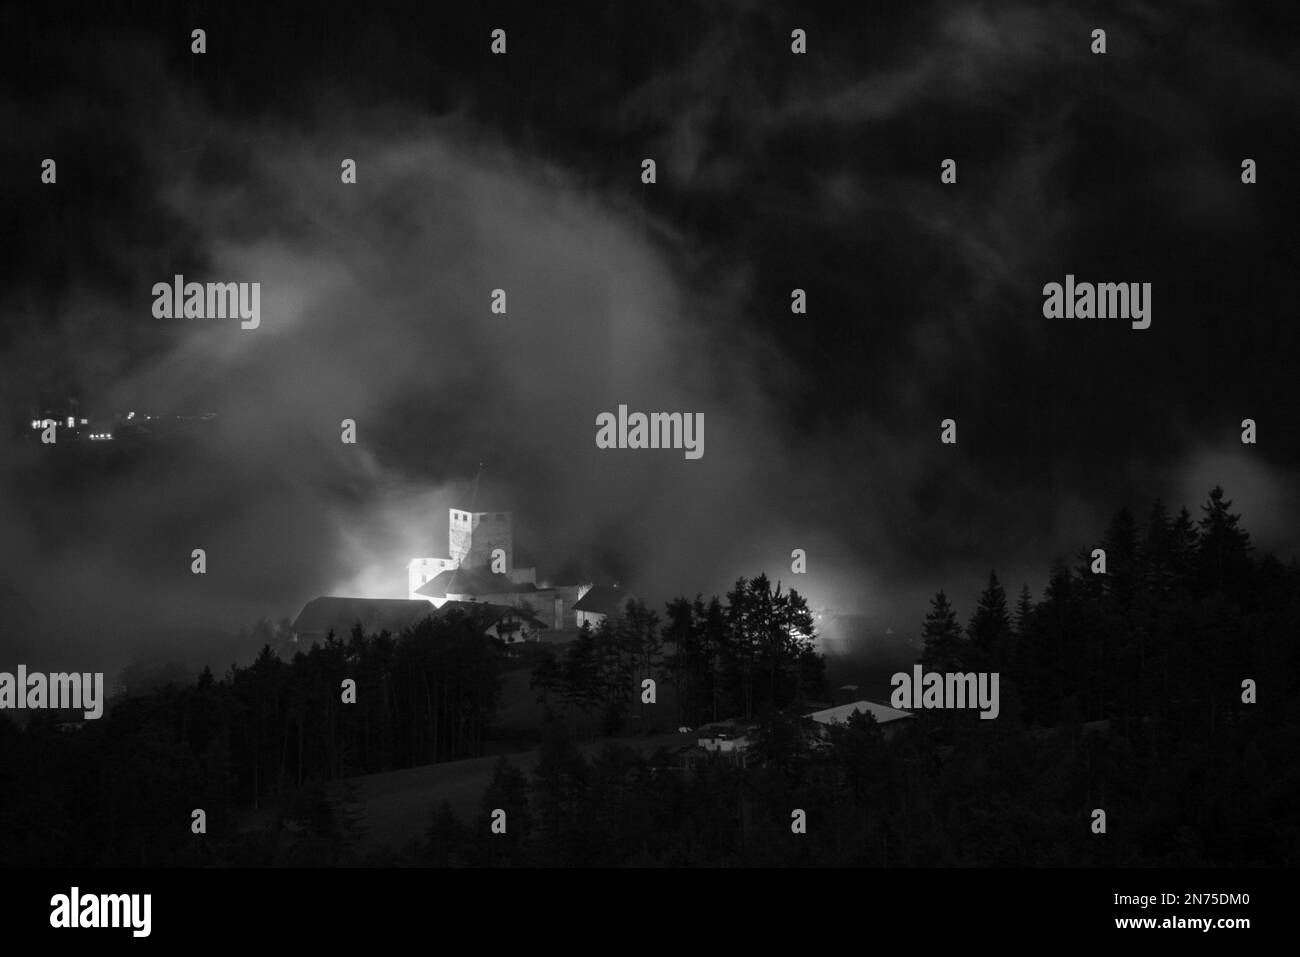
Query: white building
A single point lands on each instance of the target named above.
(476, 540)
(480, 567)
(725, 736)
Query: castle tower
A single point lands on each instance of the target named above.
(421, 570)
(472, 537)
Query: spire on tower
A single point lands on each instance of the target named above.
(473, 498)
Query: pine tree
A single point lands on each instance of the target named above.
(446, 838)
(641, 643)
(1224, 546)
(548, 676)
(685, 664)
(613, 656)
(1056, 652)
(989, 630)
(716, 651)
(556, 796)
(1156, 557)
(508, 792)
(1183, 544)
(771, 634)
(1024, 662)
(1024, 610)
(1120, 543)
(581, 667)
(944, 648)
(743, 639)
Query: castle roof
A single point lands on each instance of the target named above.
(471, 581)
(327, 613)
(603, 600)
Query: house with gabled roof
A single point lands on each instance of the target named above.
(885, 716)
(506, 622)
(599, 602)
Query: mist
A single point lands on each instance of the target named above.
(821, 429)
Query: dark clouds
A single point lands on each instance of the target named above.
(775, 172)
(375, 308)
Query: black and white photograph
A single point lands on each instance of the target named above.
(686, 439)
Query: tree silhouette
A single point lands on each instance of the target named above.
(989, 630)
(1224, 550)
(944, 646)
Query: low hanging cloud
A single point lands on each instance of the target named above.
(776, 171)
(375, 308)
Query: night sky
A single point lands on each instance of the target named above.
(775, 171)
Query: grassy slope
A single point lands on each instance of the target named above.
(395, 806)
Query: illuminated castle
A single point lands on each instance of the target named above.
(475, 540)
(481, 567)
